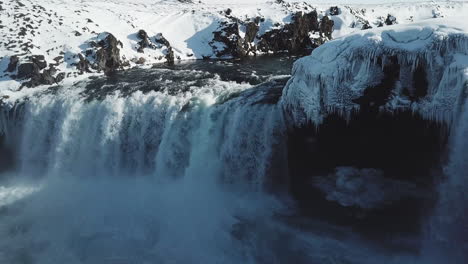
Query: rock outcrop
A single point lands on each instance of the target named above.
(239, 39)
(227, 41)
(12, 64)
(334, 11)
(326, 27)
(169, 53)
(390, 20)
(157, 42)
(108, 55)
(33, 69)
(145, 42)
(294, 37)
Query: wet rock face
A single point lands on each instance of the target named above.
(108, 56)
(6, 155)
(293, 37)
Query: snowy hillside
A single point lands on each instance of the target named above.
(62, 38)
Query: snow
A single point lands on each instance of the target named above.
(187, 26)
(340, 71)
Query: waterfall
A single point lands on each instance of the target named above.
(151, 176)
(448, 228)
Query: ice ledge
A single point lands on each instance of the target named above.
(421, 67)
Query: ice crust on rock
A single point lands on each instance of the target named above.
(339, 72)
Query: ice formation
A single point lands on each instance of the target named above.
(337, 74)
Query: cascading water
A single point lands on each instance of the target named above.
(448, 227)
(178, 166)
(141, 178)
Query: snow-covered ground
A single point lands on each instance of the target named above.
(61, 29)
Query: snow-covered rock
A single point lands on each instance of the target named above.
(422, 67)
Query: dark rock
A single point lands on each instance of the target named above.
(293, 37)
(13, 63)
(228, 34)
(170, 56)
(366, 26)
(144, 41)
(169, 52)
(83, 64)
(141, 60)
(376, 96)
(44, 78)
(334, 11)
(391, 20)
(58, 59)
(419, 86)
(28, 70)
(228, 11)
(47, 76)
(108, 56)
(234, 45)
(39, 60)
(60, 77)
(162, 40)
(251, 30)
(326, 27)
(31, 69)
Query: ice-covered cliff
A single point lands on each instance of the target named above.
(420, 70)
(421, 67)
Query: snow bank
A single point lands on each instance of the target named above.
(61, 29)
(342, 73)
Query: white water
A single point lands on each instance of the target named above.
(448, 228)
(158, 178)
(148, 178)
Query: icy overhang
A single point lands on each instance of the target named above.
(420, 67)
